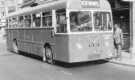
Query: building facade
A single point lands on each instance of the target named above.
(2, 14)
(123, 14)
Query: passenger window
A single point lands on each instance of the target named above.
(9, 22)
(14, 22)
(47, 19)
(20, 21)
(36, 20)
(27, 21)
(61, 21)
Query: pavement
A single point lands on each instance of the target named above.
(126, 59)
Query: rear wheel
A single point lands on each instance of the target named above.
(48, 57)
(15, 47)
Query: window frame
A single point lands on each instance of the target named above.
(34, 25)
(102, 22)
(67, 21)
(21, 23)
(46, 17)
(27, 19)
(90, 15)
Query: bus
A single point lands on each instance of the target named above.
(63, 30)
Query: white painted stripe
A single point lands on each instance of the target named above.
(66, 73)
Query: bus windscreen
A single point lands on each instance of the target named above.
(80, 21)
(102, 21)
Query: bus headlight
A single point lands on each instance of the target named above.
(79, 46)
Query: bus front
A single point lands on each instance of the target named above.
(91, 32)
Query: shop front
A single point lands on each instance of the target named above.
(123, 13)
(121, 16)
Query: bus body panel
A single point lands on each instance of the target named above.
(62, 48)
(30, 40)
(9, 39)
(87, 47)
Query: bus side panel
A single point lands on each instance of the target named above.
(62, 48)
(11, 35)
(40, 37)
(33, 40)
(20, 39)
(15, 34)
(9, 39)
(30, 41)
(21, 34)
(46, 36)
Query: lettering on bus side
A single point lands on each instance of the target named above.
(95, 43)
(90, 3)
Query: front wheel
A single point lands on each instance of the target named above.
(48, 55)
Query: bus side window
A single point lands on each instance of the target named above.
(27, 21)
(109, 22)
(36, 20)
(61, 21)
(47, 19)
(9, 23)
(97, 21)
(20, 21)
(14, 22)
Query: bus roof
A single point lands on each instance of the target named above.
(69, 4)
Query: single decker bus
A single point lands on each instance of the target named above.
(63, 30)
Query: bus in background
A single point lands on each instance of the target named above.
(63, 30)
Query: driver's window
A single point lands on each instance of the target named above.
(61, 21)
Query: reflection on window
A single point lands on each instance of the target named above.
(27, 21)
(36, 20)
(80, 21)
(102, 21)
(61, 21)
(47, 19)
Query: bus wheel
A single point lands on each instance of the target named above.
(15, 47)
(49, 55)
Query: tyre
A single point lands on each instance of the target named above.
(48, 55)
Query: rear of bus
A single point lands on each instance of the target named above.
(91, 31)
